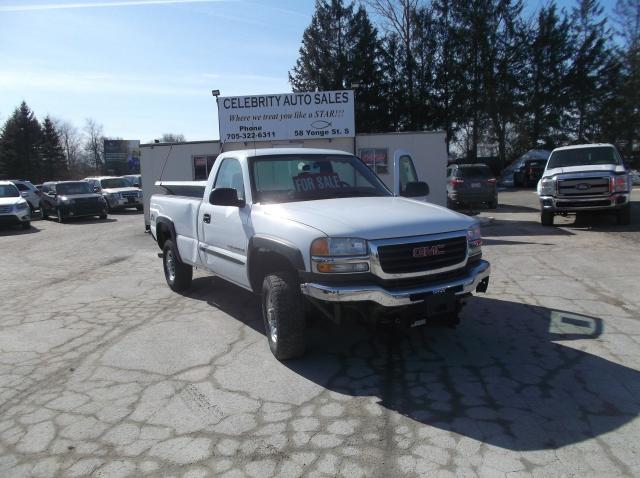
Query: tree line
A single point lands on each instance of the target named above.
(481, 71)
(53, 149)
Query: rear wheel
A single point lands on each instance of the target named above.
(546, 218)
(493, 204)
(177, 274)
(624, 215)
(138, 208)
(43, 212)
(283, 314)
(103, 216)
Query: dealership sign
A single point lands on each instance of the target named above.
(320, 114)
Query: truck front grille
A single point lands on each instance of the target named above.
(422, 256)
(130, 194)
(576, 187)
(5, 209)
(577, 204)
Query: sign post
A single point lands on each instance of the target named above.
(297, 116)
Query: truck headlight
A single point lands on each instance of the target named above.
(474, 239)
(547, 186)
(21, 206)
(620, 184)
(340, 255)
(139, 194)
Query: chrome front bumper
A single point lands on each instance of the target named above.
(477, 277)
(584, 203)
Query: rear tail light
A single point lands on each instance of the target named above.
(491, 180)
(456, 182)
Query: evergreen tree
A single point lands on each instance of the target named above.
(341, 48)
(448, 86)
(591, 59)
(20, 145)
(548, 56)
(54, 164)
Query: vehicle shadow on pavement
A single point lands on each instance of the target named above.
(81, 221)
(17, 230)
(521, 228)
(504, 376)
(606, 221)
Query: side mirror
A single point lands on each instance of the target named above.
(226, 197)
(96, 189)
(416, 189)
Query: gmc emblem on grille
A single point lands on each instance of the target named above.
(429, 251)
(583, 186)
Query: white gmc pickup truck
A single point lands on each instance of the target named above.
(317, 229)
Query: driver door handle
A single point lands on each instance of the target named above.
(206, 218)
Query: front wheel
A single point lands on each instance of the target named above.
(283, 314)
(546, 218)
(177, 274)
(624, 215)
(26, 225)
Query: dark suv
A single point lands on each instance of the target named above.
(65, 199)
(471, 184)
(529, 173)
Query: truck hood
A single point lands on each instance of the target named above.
(597, 168)
(79, 196)
(11, 201)
(371, 217)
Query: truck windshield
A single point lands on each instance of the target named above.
(288, 178)
(115, 183)
(73, 188)
(9, 191)
(583, 157)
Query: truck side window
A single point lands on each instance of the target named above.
(407, 172)
(230, 176)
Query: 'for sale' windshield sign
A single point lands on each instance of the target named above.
(320, 114)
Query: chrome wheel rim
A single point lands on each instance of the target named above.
(271, 320)
(170, 266)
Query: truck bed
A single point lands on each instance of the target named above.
(180, 204)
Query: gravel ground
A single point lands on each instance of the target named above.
(105, 372)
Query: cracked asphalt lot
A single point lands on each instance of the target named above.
(105, 372)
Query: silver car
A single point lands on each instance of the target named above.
(117, 191)
(29, 192)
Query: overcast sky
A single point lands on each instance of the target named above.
(146, 67)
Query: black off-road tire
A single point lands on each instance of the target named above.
(177, 274)
(624, 215)
(283, 314)
(546, 218)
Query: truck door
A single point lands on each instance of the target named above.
(405, 176)
(225, 229)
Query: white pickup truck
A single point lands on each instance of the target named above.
(317, 229)
(585, 177)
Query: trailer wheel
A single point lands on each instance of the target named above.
(283, 314)
(177, 274)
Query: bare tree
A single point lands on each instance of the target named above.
(172, 138)
(94, 145)
(71, 141)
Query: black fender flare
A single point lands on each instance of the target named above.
(164, 221)
(276, 245)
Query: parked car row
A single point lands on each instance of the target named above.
(92, 196)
